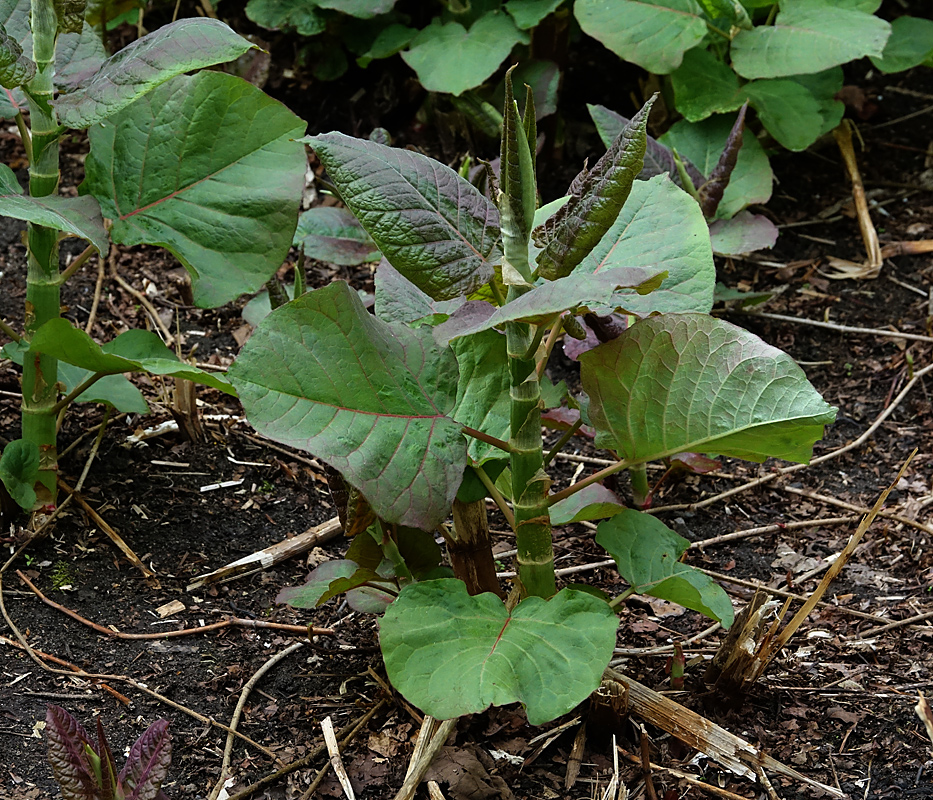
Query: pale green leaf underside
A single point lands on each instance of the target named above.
(449, 58)
(225, 206)
(808, 36)
(688, 382)
(655, 35)
(646, 552)
(660, 227)
(371, 399)
(179, 47)
(79, 216)
(451, 654)
(434, 227)
(131, 351)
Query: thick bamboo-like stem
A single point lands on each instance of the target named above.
(530, 482)
(43, 297)
(470, 548)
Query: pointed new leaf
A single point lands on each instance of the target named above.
(131, 351)
(179, 47)
(225, 205)
(370, 399)
(334, 235)
(580, 292)
(659, 159)
(70, 15)
(147, 764)
(452, 654)
(647, 554)
(567, 237)
(79, 216)
(19, 470)
(70, 766)
(711, 192)
(654, 34)
(15, 68)
(432, 226)
(689, 382)
(518, 193)
(660, 227)
(808, 36)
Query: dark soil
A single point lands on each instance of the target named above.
(836, 707)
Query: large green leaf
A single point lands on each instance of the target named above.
(808, 36)
(15, 68)
(371, 399)
(824, 86)
(689, 382)
(179, 47)
(131, 351)
(911, 43)
(596, 197)
(452, 654)
(79, 216)
(301, 15)
(648, 553)
(704, 85)
(582, 291)
(788, 110)
(660, 227)
(449, 58)
(434, 227)
(226, 206)
(334, 235)
(654, 34)
(528, 13)
(703, 143)
(483, 400)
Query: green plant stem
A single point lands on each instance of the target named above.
(43, 298)
(568, 434)
(9, 331)
(24, 134)
(530, 483)
(496, 495)
(485, 437)
(390, 551)
(596, 477)
(82, 387)
(640, 489)
(620, 599)
(556, 329)
(496, 292)
(79, 262)
(721, 32)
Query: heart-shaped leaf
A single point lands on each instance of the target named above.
(131, 351)
(449, 58)
(227, 214)
(79, 216)
(433, 226)
(659, 228)
(654, 34)
(452, 654)
(808, 36)
(689, 382)
(911, 43)
(647, 554)
(179, 47)
(371, 399)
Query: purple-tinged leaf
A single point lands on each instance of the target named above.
(15, 68)
(179, 47)
(581, 292)
(148, 762)
(659, 159)
(562, 419)
(744, 233)
(711, 192)
(70, 15)
(70, 765)
(371, 399)
(695, 462)
(108, 769)
(432, 225)
(334, 235)
(399, 300)
(689, 382)
(574, 348)
(568, 236)
(592, 502)
(518, 195)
